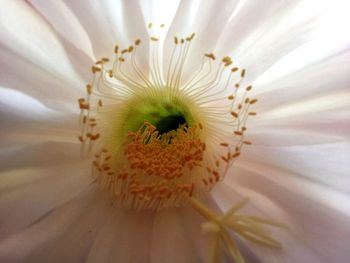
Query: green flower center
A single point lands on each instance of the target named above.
(163, 110)
(170, 123)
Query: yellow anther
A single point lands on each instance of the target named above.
(236, 154)
(95, 69)
(137, 42)
(226, 59)
(110, 73)
(192, 36)
(154, 38)
(234, 114)
(253, 101)
(242, 73)
(89, 89)
(210, 55)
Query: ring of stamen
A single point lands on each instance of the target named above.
(160, 141)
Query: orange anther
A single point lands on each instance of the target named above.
(235, 155)
(88, 89)
(234, 114)
(242, 73)
(253, 101)
(137, 42)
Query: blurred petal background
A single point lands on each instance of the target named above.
(297, 171)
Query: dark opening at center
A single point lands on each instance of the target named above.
(169, 123)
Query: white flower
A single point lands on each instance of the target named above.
(296, 172)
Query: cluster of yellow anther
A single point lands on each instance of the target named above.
(156, 171)
(167, 156)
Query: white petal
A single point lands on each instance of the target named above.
(317, 121)
(29, 36)
(28, 121)
(28, 193)
(317, 216)
(206, 20)
(38, 154)
(15, 102)
(110, 23)
(177, 237)
(55, 93)
(324, 77)
(260, 34)
(65, 23)
(124, 237)
(326, 164)
(71, 34)
(294, 248)
(64, 234)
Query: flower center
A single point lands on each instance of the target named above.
(159, 139)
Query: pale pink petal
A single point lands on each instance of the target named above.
(53, 92)
(26, 34)
(316, 233)
(313, 121)
(324, 78)
(36, 154)
(177, 237)
(326, 164)
(65, 23)
(124, 237)
(259, 34)
(28, 120)
(63, 234)
(110, 23)
(28, 193)
(206, 20)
